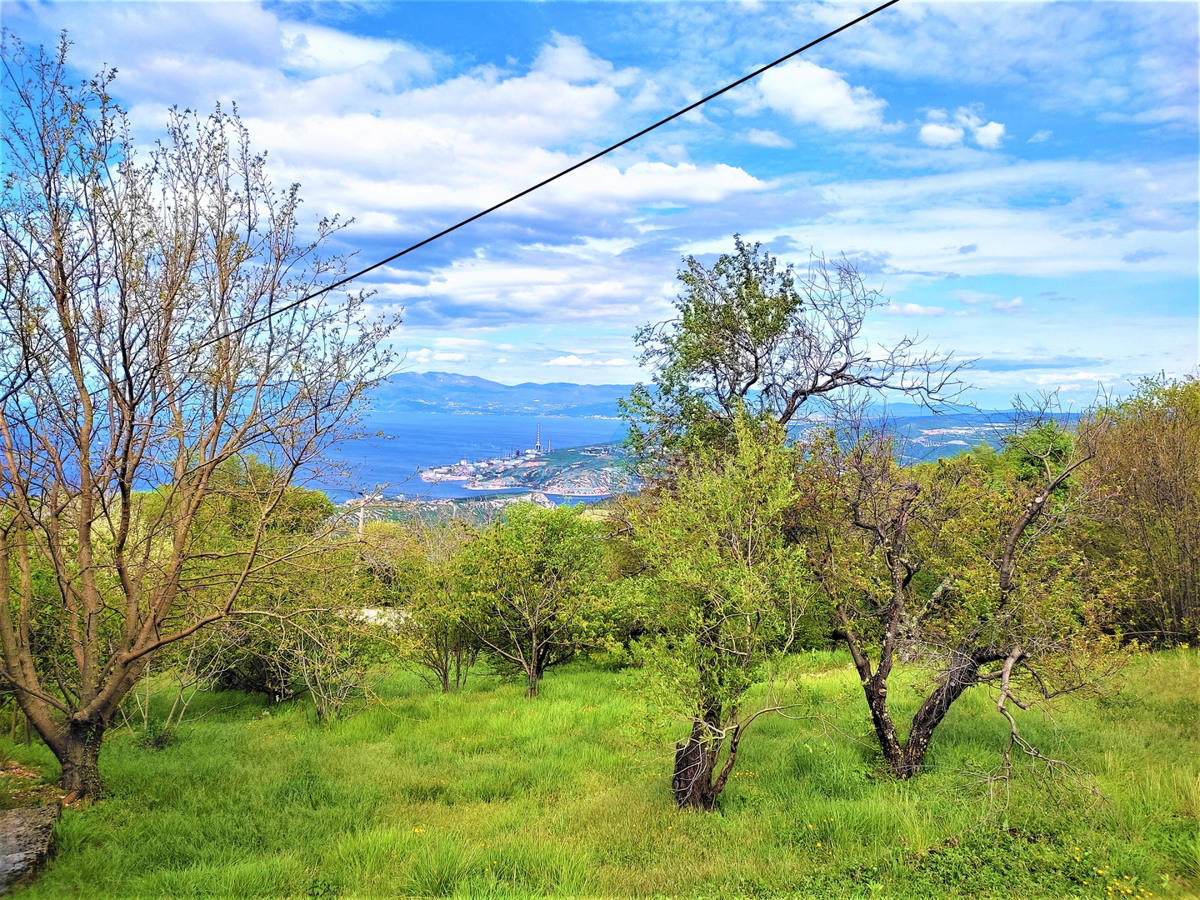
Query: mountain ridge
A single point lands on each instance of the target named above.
(465, 394)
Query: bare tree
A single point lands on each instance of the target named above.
(755, 336)
(147, 347)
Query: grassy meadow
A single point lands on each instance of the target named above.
(486, 794)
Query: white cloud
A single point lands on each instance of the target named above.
(1016, 304)
(314, 50)
(765, 138)
(575, 361)
(567, 59)
(921, 221)
(913, 309)
(1081, 58)
(425, 355)
(453, 343)
(990, 135)
(935, 134)
(809, 94)
(940, 131)
(974, 298)
(1043, 135)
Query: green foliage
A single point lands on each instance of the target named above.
(704, 360)
(156, 736)
(416, 570)
(970, 567)
(534, 590)
(1036, 454)
(724, 593)
(723, 589)
(1148, 449)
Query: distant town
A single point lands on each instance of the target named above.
(593, 472)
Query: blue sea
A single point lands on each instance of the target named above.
(401, 443)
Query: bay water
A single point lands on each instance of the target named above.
(396, 445)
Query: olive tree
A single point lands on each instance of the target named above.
(413, 570)
(148, 339)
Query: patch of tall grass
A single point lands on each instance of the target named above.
(486, 794)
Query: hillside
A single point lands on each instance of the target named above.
(468, 394)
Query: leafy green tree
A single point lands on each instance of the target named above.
(535, 589)
(724, 591)
(756, 338)
(1148, 447)
(969, 570)
(415, 568)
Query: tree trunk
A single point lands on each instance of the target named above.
(907, 758)
(78, 751)
(875, 689)
(695, 758)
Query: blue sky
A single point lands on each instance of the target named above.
(1019, 179)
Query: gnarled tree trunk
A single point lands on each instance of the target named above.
(693, 782)
(78, 750)
(906, 758)
(695, 758)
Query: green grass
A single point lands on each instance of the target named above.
(484, 794)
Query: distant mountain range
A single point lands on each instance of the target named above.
(924, 435)
(469, 394)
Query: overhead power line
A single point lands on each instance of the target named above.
(540, 184)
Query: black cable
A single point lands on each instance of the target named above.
(540, 184)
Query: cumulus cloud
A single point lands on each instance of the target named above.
(989, 136)
(1008, 307)
(566, 58)
(314, 50)
(938, 134)
(943, 130)
(812, 95)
